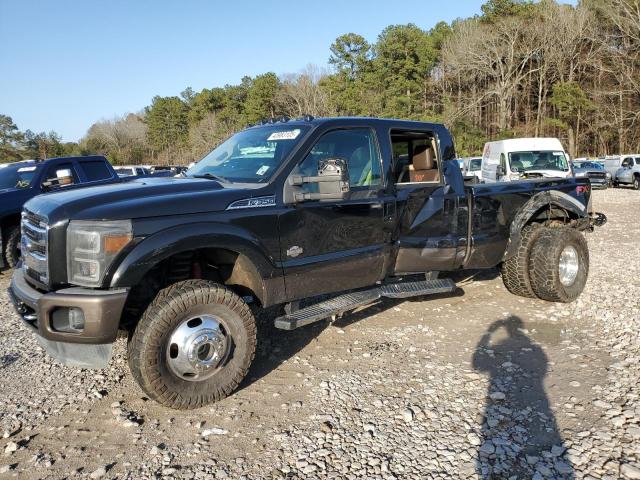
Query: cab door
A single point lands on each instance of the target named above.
(335, 245)
(431, 226)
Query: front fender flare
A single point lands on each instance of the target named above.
(155, 248)
(532, 206)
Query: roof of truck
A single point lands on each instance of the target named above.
(308, 120)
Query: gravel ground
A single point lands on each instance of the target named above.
(478, 385)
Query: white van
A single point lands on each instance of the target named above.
(473, 167)
(524, 158)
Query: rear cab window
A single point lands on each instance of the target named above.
(95, 170)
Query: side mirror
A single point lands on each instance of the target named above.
(332, 182)
(500, 171)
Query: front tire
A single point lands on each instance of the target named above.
(636, 182)
(193, 345)
(559, 265)
(12, 246)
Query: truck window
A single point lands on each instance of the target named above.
(16, 176)
(357, 146)
(415, 157)
(61, 174)
(95, 170)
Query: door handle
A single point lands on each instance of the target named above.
(376, 206)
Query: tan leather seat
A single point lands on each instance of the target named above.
(423, 167)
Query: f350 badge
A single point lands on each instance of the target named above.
(294, 251)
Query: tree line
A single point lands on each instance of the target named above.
(521, 68)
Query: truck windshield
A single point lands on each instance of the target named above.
(16, 176)
(250, 156)
(591, 165)
(538, 160)
(475, 164)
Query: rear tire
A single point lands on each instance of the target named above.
(12, 246)
(559, 264)
(515, 270)
(177, 354)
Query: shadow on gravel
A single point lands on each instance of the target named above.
(275, 346)
(519, 430)
(6, 360)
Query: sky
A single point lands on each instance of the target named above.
(66, 64)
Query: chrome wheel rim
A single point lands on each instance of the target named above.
(568, 265)
(198, 347)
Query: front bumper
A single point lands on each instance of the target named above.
(102, 309)
(599, 183)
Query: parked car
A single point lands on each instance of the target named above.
(131, 171)
(356, 207)
(24, 180)
(167, 170)
(524, 158)
(473, 168)
(595, 172)
(629, 171)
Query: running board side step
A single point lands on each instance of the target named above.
(350, 301)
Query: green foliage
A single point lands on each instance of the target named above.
(261, 98)
(350, 55)
(469, 140)
(167, 122)
(10, 139)
(496, 9)
(570, 100)
(405, 56)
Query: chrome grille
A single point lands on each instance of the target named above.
(33, 245)
(597, 175)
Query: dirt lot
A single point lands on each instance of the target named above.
(478, 385)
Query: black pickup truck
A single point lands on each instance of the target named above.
(21, 181)
(288, 210)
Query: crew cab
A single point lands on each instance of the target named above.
(21, 181)
(356, 208)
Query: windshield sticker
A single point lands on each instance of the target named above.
(262, 170)
(26, 169)
(286, 135)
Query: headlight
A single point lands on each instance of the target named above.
(92, 246)
(608, 175)
(580, 174)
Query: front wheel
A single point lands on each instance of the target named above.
(636, 182)
(559, 264)
(12, 246)
(193, 345)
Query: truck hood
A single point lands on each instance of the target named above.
(144, 198)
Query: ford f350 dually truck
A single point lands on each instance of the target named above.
(346, 209)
